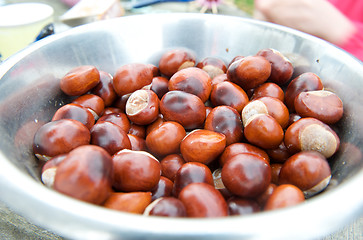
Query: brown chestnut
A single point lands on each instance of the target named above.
(213, 66)
(137, 130)
(104, 89)
(76, 112)
(137, 143)
(119, 119)
(85, 174)
(59, 137)
(202, 146)
(203, 200)
(218, 79)
(267, 105)
(166, 207)
(285, 195)
(142, 107)
(249, 72)
(80, 80)
(160, 85)
(237, 148)
(184, 108)
(246, 175)
(264, 131)
(242, 206)
(110, 137)
(323, 105)
(281, 67)
(279, 154)
(49, 170)
(132, 202)
(170, 165)
(135, 171)
(165, 139)
(191, 172)
(164, 188)
(309, 171)
(192, 80)
(230, 94)
(132, 77)
(307, 81)
(310, 134)
(93, 103)
(268, 89)
(225, 120)
(174, 60)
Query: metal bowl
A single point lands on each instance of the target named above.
(29, 95)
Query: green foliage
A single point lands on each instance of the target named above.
(245, 5)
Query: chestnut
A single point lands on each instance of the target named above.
(263, 131)
(137, 143)
(308, 171)
(76, 112)
(267, 105)
(159, 120)
(229, 94)
(160, 85)
(50, 168)
(135, 171)
(142, 107)
(310, 134)
(323, 105)
(85, 174)
(110, 137)
(192, 80)
(164, 188)
(104, 89)
(120, 102)
(268, 89)
(218, 183)
(225, 120)
(191, 172)
(109, 110)
(170, 165)
(131, 77)
(281, 67)
(59, 137)
(198, 205)
(219, 78)
(246, 175)
(285, 195)
(241, 206)
(184, 108)
(174, 60)
(202, 146)
(137, 130)
(262, 198)
(80, 80)
(119, 119)
(213, 66)
(249, 72)
(307, 81)
(93, 103)
(275, 172)
(166, 207)
(237, 148)
(132, 202)
(279, 154)
(165, 139)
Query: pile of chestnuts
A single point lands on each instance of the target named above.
(191, 139)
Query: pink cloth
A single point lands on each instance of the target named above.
(353, 9)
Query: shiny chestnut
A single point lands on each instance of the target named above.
(76, 112)
(174, 60)
(213, 66)
(104, 89)
(132, 202)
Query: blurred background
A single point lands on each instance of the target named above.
(67, 15)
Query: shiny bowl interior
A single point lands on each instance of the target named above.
(29, 95)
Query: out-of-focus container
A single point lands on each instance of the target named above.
(20, 24)
(30, 94)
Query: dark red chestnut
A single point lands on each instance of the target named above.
(164, 188)
(76, 112)
(132, 202)
(184, 108)
(160, 85)
(225, 120)
(137, 143)
(59, 137)
(213, 66)
(85, 174)
(242, 206)
(166, 207)
(285, 195)
(104, 89)
(119, 119)
(268, 89)
(170, 165)
(93, 103)
(246, 175)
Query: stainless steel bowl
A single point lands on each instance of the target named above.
(29, 94)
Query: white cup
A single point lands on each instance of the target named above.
(20, 24)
